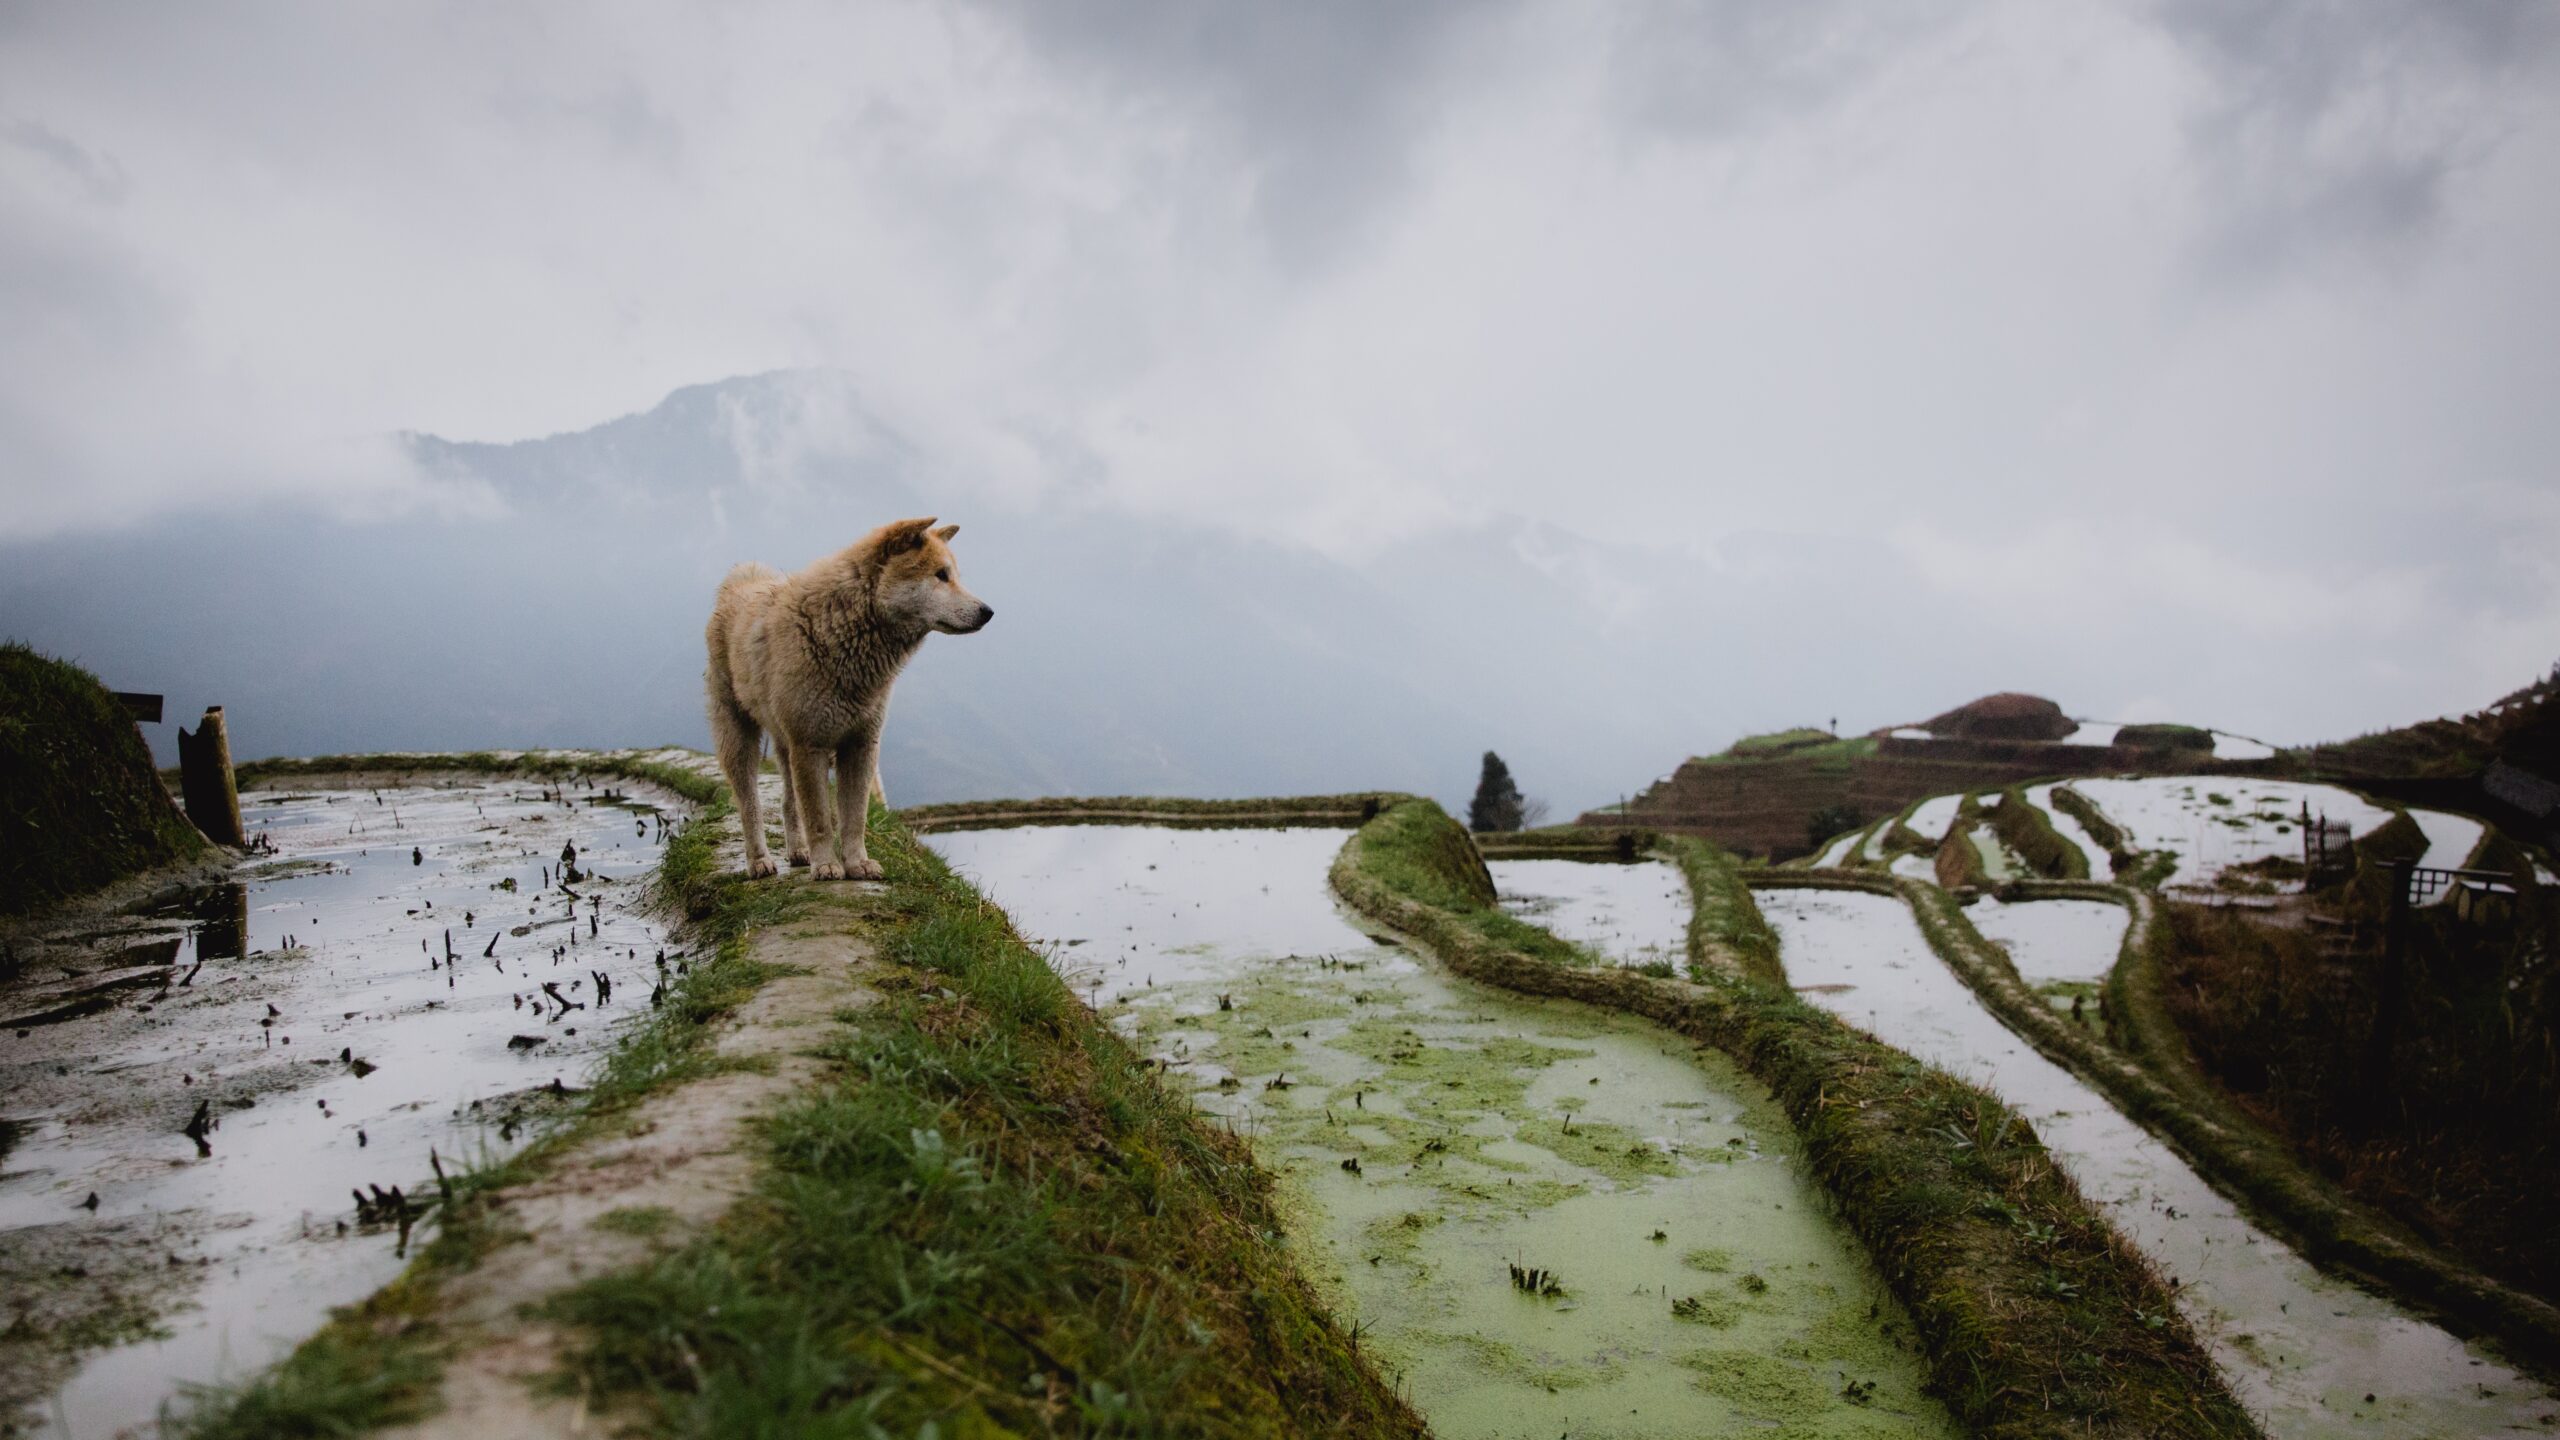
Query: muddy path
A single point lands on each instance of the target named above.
(1546, 1218)
(197, 1092)
(2309, 1354)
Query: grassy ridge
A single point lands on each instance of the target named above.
(80, 804)
(2025, 828)
(2110, 836)
(992, 1218)
(2038, 1319)
(1726, 930)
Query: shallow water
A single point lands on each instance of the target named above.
(1487, 1130)
(1635, 914)
(2450, 840)
(335, 945)
(2301, 1350)
(2050, 940)
(2214, 822)
(1931, 817)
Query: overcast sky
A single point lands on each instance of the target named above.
(2226, 316)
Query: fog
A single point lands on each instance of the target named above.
(1326, 393)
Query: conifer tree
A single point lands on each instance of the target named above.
(1497, 803)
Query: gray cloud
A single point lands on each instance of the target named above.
(1321, 101)
(1716, 69)
(99, 175)
(2338, 126)
(1913, 287)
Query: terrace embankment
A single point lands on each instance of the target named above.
(2145, 1065)
(2309, 1354)
(80, 805)
(869, 1158)
(2038, 1319)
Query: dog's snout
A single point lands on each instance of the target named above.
(986, 612)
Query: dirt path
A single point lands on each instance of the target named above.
(683, 1159)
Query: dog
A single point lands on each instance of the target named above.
(809, 659)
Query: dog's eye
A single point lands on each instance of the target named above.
(943, 574)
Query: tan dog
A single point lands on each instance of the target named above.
(810, 659)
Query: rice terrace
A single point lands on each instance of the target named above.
(1148, 719)
(478, 1092)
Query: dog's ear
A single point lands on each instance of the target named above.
(900, 536)
(945, 533)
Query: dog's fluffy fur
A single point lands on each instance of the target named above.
(809, 659)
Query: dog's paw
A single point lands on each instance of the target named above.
(797, 859)
(827, 870)
(760, 867)
(864, 869)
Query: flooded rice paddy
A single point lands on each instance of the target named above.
(1635, 914)
(1931, 817)
(412, 970)
(2215, 822)
(2054, 940)
(1545, 1219)
(2310, 1355)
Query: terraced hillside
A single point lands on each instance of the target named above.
(1761, 795)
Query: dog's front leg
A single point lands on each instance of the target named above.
(795, 842)
(809, 777)
(857, 761)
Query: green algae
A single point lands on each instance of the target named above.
(1547, 1372)
(1455, 1104)
(1759, 1384)
(1490, 1130)
(1614, 1151)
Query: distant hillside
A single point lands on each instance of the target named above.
(1764, 794)
(1129, 656)
(2501, 762)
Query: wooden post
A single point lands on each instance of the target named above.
(2390, 986)
(204, 780)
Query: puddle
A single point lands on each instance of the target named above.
(332, 947)
(1635, 914)
(1429, 1135)
(2301, 1350)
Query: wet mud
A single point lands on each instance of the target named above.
(1543, 1218)
(203, 1097)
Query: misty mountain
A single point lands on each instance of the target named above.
(1128, 655)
